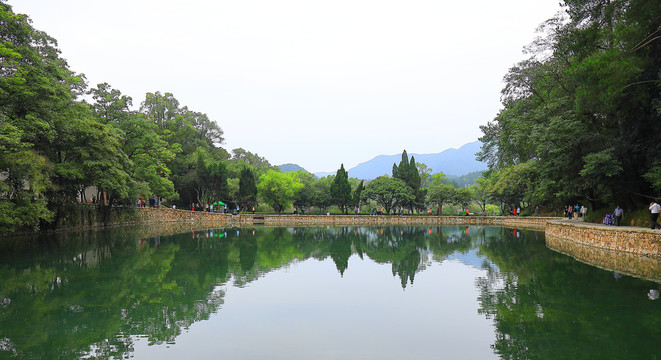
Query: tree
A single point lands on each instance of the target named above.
(149, 153)
(278, 190)
(440, 193)
(357, 194)
(34, 83)
(584, 107)
(463, 196)
(513, 186)
(341, 190)
(389, 192)
(321, 193)
(481, 192)
(408, 172)
(247, 189)
(425, 174)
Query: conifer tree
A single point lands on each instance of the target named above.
(341, 190)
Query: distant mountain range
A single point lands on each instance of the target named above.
(290, 167)
(452, 162)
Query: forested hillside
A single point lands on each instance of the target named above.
(581, 117)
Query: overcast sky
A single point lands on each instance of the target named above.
(316, 83)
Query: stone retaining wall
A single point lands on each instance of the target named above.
(639, 241)
(164, 215)
(158, 215)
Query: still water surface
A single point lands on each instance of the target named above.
(317, 293)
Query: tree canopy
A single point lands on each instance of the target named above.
(581, 114)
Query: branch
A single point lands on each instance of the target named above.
(638, 83)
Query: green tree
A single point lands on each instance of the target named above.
(34, 83)
(481, 192)
(512, 186)
(389, 192)
(357, 194)
(341, 190)
(321, 193)
(278, 190)
(463, 196)
(247, 189)
(407, 171)
(440, 193)
(149, 153)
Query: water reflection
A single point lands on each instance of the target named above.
(90, 294)
(547, 305)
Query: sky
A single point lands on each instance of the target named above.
(310, 82)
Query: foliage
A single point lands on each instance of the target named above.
(321, 193)
(278, 190)
(583, 109)
(481, 192)
(247, 189)
(440, 193)
(464, 180)
(463, 197)
(407, 171)
(341, 190)
(389, 192)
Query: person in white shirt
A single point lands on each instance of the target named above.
(654, 214)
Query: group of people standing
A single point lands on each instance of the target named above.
(576, 211)
(152, 202)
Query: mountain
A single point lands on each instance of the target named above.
(452, 162)
(290, 167)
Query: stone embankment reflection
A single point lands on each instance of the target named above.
(613, 260)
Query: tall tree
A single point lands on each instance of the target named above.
(247, 189)
(140, 141)
(341, 190)
(407, 171)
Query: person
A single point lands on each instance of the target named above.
(619, 213)
(584, 211)
(253, 209)
(537, 210)
(654, 214)
(518, 211)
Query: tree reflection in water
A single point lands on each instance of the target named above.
(92, 293)
(546, 305)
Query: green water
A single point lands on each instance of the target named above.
(317, 293)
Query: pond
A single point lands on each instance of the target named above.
(317, 293)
